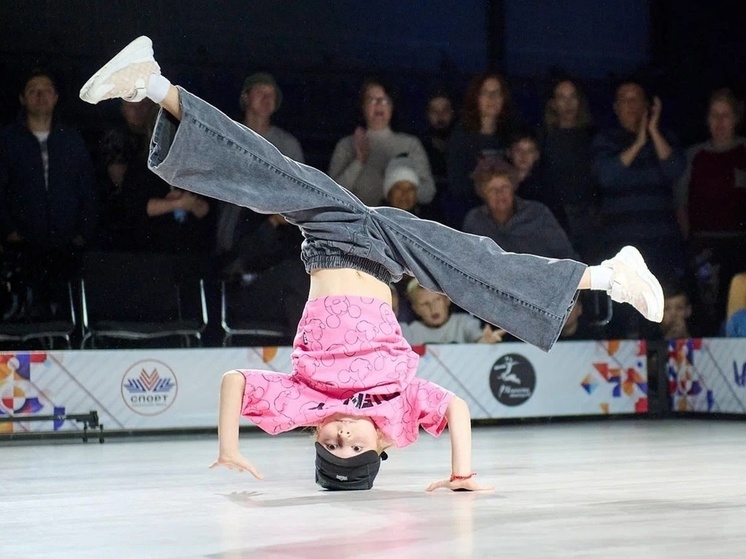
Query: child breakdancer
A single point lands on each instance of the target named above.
(353, 375)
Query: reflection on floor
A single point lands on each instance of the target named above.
(604, 489)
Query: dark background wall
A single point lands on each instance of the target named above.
(321, 50)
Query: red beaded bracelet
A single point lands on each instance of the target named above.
(455, 477)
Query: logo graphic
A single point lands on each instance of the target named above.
(149, 387)
(512, 379)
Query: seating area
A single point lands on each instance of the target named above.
(47, 330)
(137, 297)
(119, 300)
(450, 95)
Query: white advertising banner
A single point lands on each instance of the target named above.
(707, 375)
(178, 388)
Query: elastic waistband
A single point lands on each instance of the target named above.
(335, 261)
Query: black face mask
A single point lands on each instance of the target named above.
(346, 474)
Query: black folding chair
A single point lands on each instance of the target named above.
(235, 320)
(56, 320)
(140, 296)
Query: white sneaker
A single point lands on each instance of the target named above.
(633, 283)
(125, 76)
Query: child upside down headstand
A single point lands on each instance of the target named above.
(353, 373)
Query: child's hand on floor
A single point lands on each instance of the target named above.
(238, 463)
(458, 485)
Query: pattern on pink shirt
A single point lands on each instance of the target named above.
(349, 357)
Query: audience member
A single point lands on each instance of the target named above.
(566, 162)
(577, 327)
(177, 222)
(435, 141)
(260, 98)
(636, 164)
(677, 312)
(272, 279)
(483, 130)
(46, 175)
(436, 324)
(523, 152)
(121, 170)
(359, 160)
(47, 194)
(735, 325)
(138, 122)
(400, 185)
(517, 225)
(711, 203)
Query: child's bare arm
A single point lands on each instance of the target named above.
(459, 429)
(231, 397)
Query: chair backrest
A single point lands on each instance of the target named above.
(130, 287)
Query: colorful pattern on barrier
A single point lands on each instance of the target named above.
(517, 380)
(19, 395)
(628, 381)
(707, 375)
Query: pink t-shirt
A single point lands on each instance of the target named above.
(349, 357)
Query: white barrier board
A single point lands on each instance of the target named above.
(178, 388)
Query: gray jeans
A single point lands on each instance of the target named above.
(212, 155)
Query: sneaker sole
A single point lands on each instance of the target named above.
(633, 257)
(95, 89)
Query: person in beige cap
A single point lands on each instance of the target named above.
(260, 98)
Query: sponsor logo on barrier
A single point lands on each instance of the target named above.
(149, 387)
(512, 379)
(740, 378)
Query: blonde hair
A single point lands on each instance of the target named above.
(412, 287)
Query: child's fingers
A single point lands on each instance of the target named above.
(254, 472)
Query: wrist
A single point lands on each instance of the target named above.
(226, 452)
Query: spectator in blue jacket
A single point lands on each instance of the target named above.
(636, 164)
(47, 195)
(47, 192)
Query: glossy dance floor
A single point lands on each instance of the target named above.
(604, 489)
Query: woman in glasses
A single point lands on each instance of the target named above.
(359, 160)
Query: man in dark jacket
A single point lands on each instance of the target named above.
(47, 196)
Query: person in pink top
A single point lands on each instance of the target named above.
(353, 376)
